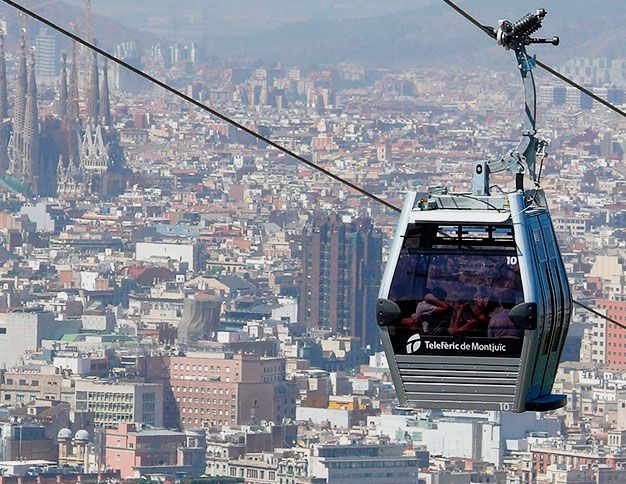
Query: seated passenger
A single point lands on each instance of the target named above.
(432, 315)
(471, 318)
(500, 325)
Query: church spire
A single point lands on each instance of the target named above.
(21, 88)
(63, 89)
(105, 102)
(93, 96)
(73, 110)
(31, 129)
(4, 105)
(4, 110)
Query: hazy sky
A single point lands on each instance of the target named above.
(377, 32)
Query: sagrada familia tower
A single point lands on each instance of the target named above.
(63, 155)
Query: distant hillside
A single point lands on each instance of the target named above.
(434, 35)
(378, 33)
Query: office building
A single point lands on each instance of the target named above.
(115, 403)
(217, 389)
(615, 336)
(46, 55)
(341, 271)
(22, 332)
(135, 451)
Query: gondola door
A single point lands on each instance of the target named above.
(560, 302)
(545, 307)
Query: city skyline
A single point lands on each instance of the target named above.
(179, 300)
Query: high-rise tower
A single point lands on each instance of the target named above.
(341, 269)
(46, 54)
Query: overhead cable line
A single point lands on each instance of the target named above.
(200, 105)
(581, 88)
(232, 122)
(491, 33)
(598, 313)
(485, 28)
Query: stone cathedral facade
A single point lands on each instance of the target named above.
(67, 155)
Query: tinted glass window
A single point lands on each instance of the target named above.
(455, 296)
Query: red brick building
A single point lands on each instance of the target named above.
(212, 390)
(615, 343)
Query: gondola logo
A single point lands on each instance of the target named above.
(413, 344)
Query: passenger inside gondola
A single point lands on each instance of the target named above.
(500, 325)
(456, 295)
(432, 314)
(471, 317)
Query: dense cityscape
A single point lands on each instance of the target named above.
(181, 303)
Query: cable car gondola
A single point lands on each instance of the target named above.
(474, 303)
